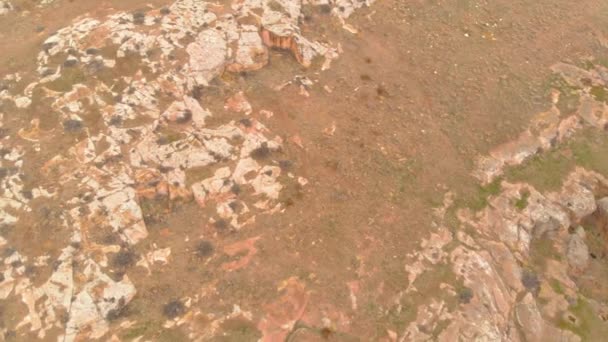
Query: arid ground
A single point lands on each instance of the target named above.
(303, 170)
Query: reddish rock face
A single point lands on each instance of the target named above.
(238, 103)
(284, 41)
(247, 247)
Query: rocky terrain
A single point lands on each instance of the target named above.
(281, 170)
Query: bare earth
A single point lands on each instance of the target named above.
(303, 170)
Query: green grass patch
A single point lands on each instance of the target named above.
(199, 173)
(599, 93)
(591, 152)
(168, 136)
(542, 249)
(556, 286)
(547, 171)
(479, 199)
(428, 284)
(239, 330)
(522, 202)
(275, 6)
(587, 325)
(69, 77)
(557, 82)
(139, 329)
(603, 61)
(569, 98)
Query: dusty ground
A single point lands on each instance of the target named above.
(368, 151)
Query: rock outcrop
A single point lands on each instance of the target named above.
(511, 261)
(549, 129)
(143, 77)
